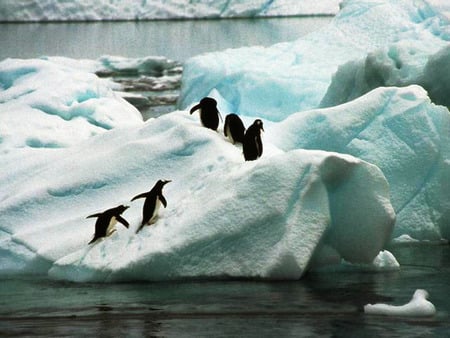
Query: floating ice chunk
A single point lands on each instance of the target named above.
(405, 239)
(385, 260)
(419, 306)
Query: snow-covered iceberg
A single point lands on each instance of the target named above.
(225, 216)
(367, 46)
(289, 77)
(95, 10)
(400, 131)
(46, 104)
(322, 189)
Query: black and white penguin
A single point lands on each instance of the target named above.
(209, 114)
(234, 128)
(252, 145)
(106, 221)
(153, 200)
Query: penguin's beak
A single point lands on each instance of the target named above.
(167, 181)
(194, 108)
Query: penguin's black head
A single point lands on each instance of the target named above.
(121, 208)
(161, 183)
(208, 102)
(259, 124)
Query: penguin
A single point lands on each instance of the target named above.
(153, 200)
(252, 145)
(106, 221)
(209, 114)
(234, 128)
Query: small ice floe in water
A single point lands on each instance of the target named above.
(418, 306)
(386, 261)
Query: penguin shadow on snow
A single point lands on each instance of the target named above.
(234, 129)
(105, 224)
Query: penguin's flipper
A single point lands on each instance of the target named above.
(139, 196)
(123, 221)
(94, 215)
(259, 146)
(193, 109)
(163, 201)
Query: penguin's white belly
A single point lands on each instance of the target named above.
(228, 132)
(156, 211)
(111, 226)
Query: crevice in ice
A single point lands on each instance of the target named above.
(266, 6)
(78, 189)
(293, 201)
(7, 98)
(36, 143)
(71, 114)
(359, 9)
(368, 122)
(423, 184)
(8, 78)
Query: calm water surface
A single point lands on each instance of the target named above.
(321, 304)
(177, 40)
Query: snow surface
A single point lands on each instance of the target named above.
(94, 10)
(419, 306)
(327, 187)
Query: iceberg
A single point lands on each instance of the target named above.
(334, 183)
(49, 104)
(400, 131)
(95, 10)
(225, 217)
(400, 65)
(277, 81)
(367, 58)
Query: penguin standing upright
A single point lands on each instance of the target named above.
(153, 200)
(252, 145)
(209, 114)
(106, 221)
(234, 128)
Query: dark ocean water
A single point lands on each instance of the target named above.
(325, 304)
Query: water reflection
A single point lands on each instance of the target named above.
(177, 40)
